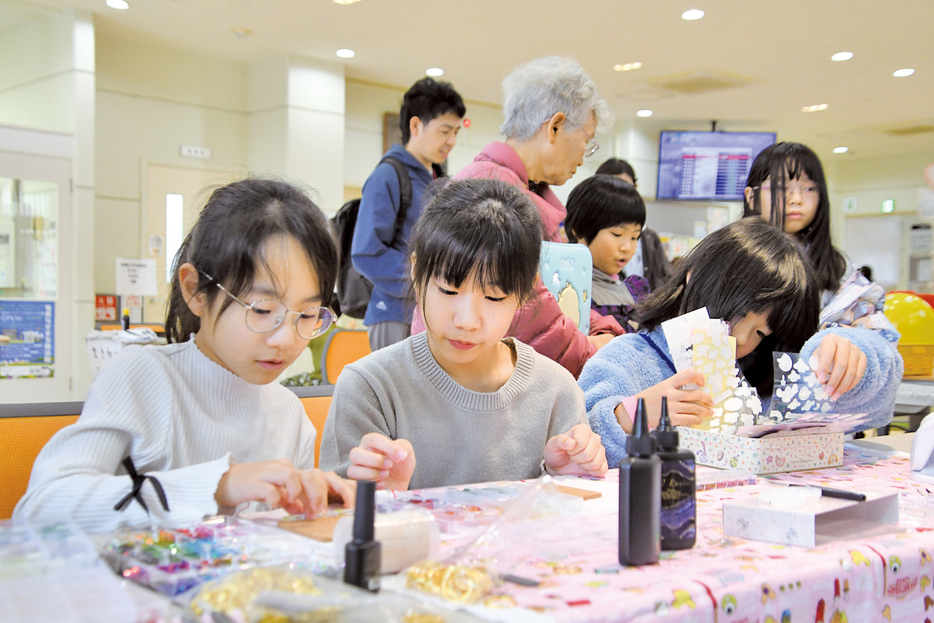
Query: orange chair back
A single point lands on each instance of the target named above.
(316, 408)
(21, 439)
(342, 347)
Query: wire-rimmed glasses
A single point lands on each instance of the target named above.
(266, 315)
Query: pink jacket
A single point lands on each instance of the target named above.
(540, 322)
(499, 161)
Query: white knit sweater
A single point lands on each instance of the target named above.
(183, 419)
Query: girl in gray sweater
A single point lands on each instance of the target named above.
(470, 405)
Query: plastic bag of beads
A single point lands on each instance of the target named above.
(472, 573)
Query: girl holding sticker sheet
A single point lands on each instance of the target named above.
(748, 274)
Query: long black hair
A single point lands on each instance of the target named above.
(482, 228)
(779, 163)
(601, 202)
(746, 267)
(227, 243)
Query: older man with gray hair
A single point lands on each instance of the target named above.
(553, 110)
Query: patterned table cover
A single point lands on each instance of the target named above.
(884, 578)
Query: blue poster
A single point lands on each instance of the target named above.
(27, 339)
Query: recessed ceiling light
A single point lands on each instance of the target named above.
(241, 33)
(345, 53)
(814, 108)
(345, 2)
(121, 5)
(644, 113)
(692, 14)
(434, 72)
(842, 56)
(840, 150)
(901, 73)
(627, 66)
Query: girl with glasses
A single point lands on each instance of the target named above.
(786, 187)
(460, 402)
(169, 434)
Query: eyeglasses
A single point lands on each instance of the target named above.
(805, 190)
(266, 315)
(592, 145)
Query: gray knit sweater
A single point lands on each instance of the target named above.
(459, 436)
(183, 419)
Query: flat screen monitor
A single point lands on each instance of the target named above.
(695, 166)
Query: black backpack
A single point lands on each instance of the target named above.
(353, 289)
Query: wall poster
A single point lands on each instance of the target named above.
(27, 339)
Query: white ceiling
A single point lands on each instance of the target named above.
(780, 48)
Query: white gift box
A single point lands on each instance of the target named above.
(773, 454)
(819, 521)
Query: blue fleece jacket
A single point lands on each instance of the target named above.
(629, 364)
(374, 253)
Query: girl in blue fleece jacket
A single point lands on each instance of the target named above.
(756, 278)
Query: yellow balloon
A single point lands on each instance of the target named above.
(912, 317)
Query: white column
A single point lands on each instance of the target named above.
(296, 124)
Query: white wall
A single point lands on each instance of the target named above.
(150, 101)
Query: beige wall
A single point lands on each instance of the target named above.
(150, 101)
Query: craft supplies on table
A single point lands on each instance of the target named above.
(174, 561)
(51, 574)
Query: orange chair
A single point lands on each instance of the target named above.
(317, 403)
(342, 347)
(24, 431)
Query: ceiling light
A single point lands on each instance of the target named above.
(901, 73)
(345, 53)
(241, 33)
(627, 67)
(434, 72)
(118, 4)
(814, 108)
(842, 56)
(840, 150)
(644, 113)
(692, 14)
(345, 2)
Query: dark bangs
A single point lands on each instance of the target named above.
(779, 163)
(486, 229)
(747, 266)
(602, 202)
(229, 242)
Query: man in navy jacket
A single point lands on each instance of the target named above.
(430, 119)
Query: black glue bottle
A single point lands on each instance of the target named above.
(640, 484)
(679, 504)
(362, 554)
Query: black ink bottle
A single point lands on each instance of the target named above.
(679, 504)
(640, 484)
(363, 553)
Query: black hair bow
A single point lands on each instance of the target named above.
(135, 493)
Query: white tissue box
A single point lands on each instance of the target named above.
(767, 455)
(818, 522)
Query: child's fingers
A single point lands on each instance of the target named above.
(358, 472)
(689, 408)
(314, 495)
(376, 442)
(696, 396)
(341, 489)
(687, 376)
(826, 355)
(852, 373)
(366, 458)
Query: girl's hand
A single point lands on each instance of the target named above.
(578, 452)
(390, 463)
(281, 485)
(840, 365)
(686, 407)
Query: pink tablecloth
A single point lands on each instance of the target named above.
(884, 578)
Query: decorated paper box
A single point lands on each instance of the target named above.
(813, 524)
(783, 452)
